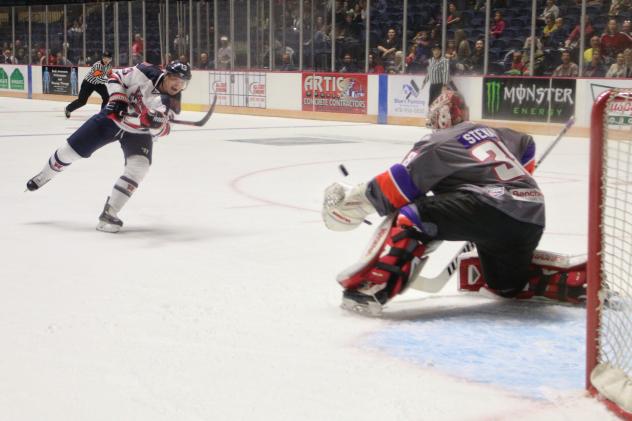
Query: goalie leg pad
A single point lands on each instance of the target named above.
(395, 256)
(554, 276)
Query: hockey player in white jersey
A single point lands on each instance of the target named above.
(142, 100)
(483, 192)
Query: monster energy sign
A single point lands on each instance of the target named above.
(528, 99)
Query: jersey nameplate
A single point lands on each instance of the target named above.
(472, 137)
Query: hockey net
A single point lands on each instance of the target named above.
(609, 301)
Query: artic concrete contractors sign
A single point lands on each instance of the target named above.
(529, 99)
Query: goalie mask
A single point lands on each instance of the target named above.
(447, 110)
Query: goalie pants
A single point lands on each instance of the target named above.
(99, 130)
(505, 245)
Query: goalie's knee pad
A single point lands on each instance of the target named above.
(554, 276)
(394, 257)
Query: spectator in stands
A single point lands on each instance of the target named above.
(627, 55)
(349, 30)
(595, 44)
(286, 63)
(517, 65)
(421, 53)
(498, 26)
(547, 31)
(626, 28)
(183, 59)
(559, 36)
(224, 54)
(567, 68)
(348, 64)
(389, 47)
(550, 10)
(60, 60)
(613, 42)
(573, 39)
(618, 68)
(450, 51)
(463, 53)
(204, 63)
(477, 59)
(7, 57)
(618, 6)
(21, 56)
(138, 46)
(375, 66)
(459, 35)
(595, 67)
(538, 60)
(455, 19)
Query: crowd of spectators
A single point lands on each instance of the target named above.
(607, 38)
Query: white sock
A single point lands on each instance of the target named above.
(59, 160)
(136, 168)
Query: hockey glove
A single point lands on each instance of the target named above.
(153, 119)
(117, 106)
(345, 207)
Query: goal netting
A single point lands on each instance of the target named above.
(609, 305)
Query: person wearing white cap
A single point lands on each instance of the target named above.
(224, 54)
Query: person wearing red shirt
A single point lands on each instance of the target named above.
(499, 25)
(613, 42)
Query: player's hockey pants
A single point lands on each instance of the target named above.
(505, 245)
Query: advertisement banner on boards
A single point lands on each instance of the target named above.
(12, 78)
(405, 96)
(529, 99)
(334, 92)
(239, 89)
(60, 80)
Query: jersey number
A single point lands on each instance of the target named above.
(508, 167)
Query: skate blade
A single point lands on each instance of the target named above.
(105, 227)
(373, 309)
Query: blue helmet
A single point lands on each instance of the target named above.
(182, 70)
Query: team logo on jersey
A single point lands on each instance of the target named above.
(495, 191)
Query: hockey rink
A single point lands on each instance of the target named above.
(218, 299)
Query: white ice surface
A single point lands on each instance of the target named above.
(218, 302)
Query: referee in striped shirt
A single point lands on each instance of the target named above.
(438, 73)
(96, 80)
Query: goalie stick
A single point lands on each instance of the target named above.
(199, 123)
(435, 284)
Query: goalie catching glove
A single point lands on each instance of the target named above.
(345, 207)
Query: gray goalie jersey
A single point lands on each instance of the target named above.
(493, 163)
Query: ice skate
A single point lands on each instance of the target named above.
(107, 221)
(38, 181)
(366, 300)
(66, 112)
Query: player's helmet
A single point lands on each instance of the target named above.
(182, 70)
(447, 110)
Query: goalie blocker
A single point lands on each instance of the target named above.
(554, 276)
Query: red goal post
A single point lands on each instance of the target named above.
(609, 301)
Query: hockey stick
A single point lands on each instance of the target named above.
(201, 122)
(435, 284)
